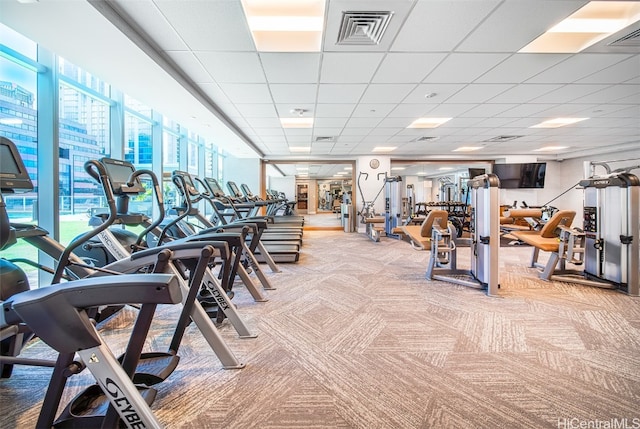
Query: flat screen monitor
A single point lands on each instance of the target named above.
(473, 172)
(521, 176)
(188, 182)
(119, 172)
(215, 187)
(234, 189)
(13, 173)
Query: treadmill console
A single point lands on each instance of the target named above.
(215, 187)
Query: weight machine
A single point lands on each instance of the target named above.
(393, 207)
(608, 245)
(484, 241)
(367, 214)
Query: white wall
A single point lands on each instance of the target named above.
(283, 184)
(561, 179)
(372, 185)
(242, 170)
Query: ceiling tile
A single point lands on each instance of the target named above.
(386, 93)
(524, 93)
(247, 92)
(284, 110)
(429, 28)
(414, 110)
(340, 67)
(372, 110)
(234, 67)
(463, 67)
(478, 93)
(513, 24)
(487, 110)
(155, 24)
(577, 67)
(328, 110)
(568, 93)
(188, 62)
(330, 122)
(339, 93)
(406, 67)
(362, 123)
(621, 72)
(263, 122)
(291, 67)
(208, 25)
(294, 93)
(442, 91)
(612, 94)
(520, 67)
(255, 110)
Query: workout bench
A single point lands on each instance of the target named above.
(548, 240)
(420, 235)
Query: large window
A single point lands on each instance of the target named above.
(84, 134)
(83, 129)
(18, 122)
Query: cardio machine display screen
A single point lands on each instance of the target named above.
(119, 173)
(234, 189)
(13, 174)
(215, 186)
(8, 164)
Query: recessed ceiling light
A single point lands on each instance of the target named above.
(588, 25)
(302, 168)
(421, 173)
(550, 148)
(558, 122)
(467, 148)
(445, 168)
(384, 148)
(348, 168)
(296, 122)
(428, 122)
(397, 168)
(285, 25)
(300, 149)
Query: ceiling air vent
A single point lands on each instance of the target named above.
(425, 139)
(502, 138)
(363, 28)
(631, 39)
(325, 139)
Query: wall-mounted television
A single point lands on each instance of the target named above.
(521, 176)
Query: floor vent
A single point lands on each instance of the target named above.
(363, 28)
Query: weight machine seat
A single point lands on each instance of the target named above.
(420, 235)
(515, 220)
(376, 219)
(547, 239)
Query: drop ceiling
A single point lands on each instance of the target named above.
(444, 58)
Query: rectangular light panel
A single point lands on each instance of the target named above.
(285, 25)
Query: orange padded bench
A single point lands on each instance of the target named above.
(547, 239)
(420, 235)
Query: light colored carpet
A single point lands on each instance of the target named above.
(355, 337)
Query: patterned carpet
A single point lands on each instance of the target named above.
(355, 337)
